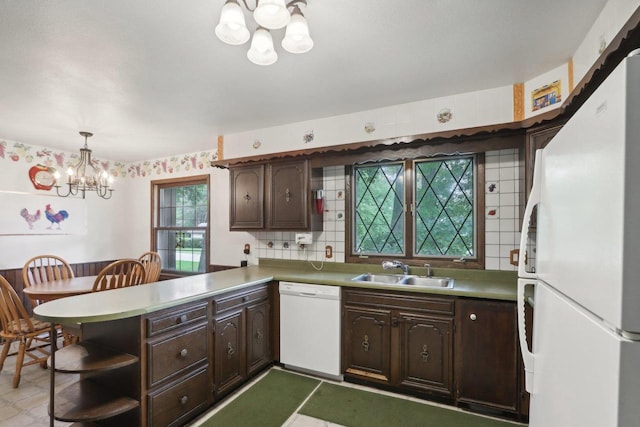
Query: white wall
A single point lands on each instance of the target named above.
(468, 110)
(613, 16)
(105, 237)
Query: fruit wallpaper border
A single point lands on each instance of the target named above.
(19, 152)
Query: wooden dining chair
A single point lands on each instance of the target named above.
(45, 268)
(17, 326)
(152, 265)
(120, 274)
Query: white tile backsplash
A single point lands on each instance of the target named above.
(502, 235)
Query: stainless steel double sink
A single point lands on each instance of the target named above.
(405, 280)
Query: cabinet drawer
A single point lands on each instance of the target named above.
(173, 405)
(170, 320)
(174, 355)
(237, 299)
(400, 300)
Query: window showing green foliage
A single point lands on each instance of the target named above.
(444, 208)
(181, 233)
(441, 197)
(379, 209)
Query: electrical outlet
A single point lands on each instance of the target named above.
(328, 252)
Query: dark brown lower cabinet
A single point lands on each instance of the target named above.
(241, 337)
(399, 339)
(258, 336)
(178, 371)
(461, 350)
(166, 367)
(367, 336)
(487, 354)
(229, 353)
(426, 353)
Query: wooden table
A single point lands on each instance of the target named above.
(55, 289)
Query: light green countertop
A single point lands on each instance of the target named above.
(138, 300)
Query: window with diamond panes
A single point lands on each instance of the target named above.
(379, 206)
(444, 208)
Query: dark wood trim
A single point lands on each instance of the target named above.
(626, 40)
(218, 267)
(155, 215)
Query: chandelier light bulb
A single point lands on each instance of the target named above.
(232, 28)
(271, 14)
(262, 51)
(297, 39)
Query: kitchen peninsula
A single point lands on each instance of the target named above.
(175, 331)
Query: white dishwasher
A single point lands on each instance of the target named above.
(310, 328)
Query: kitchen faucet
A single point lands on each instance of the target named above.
(395, 264)
(428, 270)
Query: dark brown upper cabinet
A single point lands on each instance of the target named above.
(276, 196)
(246, 209)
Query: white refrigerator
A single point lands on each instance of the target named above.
(583, 369)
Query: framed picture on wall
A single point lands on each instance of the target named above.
(546, 95)
(32, 214)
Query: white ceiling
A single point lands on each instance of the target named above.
(150, 79)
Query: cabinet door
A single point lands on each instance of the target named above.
(367, 350)
(487, 353)
(258, 348)
(288, 195)
(426, 357)
(229, 361)
(247, 197)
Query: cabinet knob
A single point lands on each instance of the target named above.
(424, 354)
(365, 343)
(183, 353)
(184, 400)
(182, 319)
(230, 350)
(473, 316)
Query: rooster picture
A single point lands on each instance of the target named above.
(30, 218)
(55, 217)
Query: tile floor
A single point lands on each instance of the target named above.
(27, 405)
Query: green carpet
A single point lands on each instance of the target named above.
(269, 402)
(356, 408)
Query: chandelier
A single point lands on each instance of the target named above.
(85, 176)
(268, 15)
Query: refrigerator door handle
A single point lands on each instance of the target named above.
(527, 356)
(534, 200)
